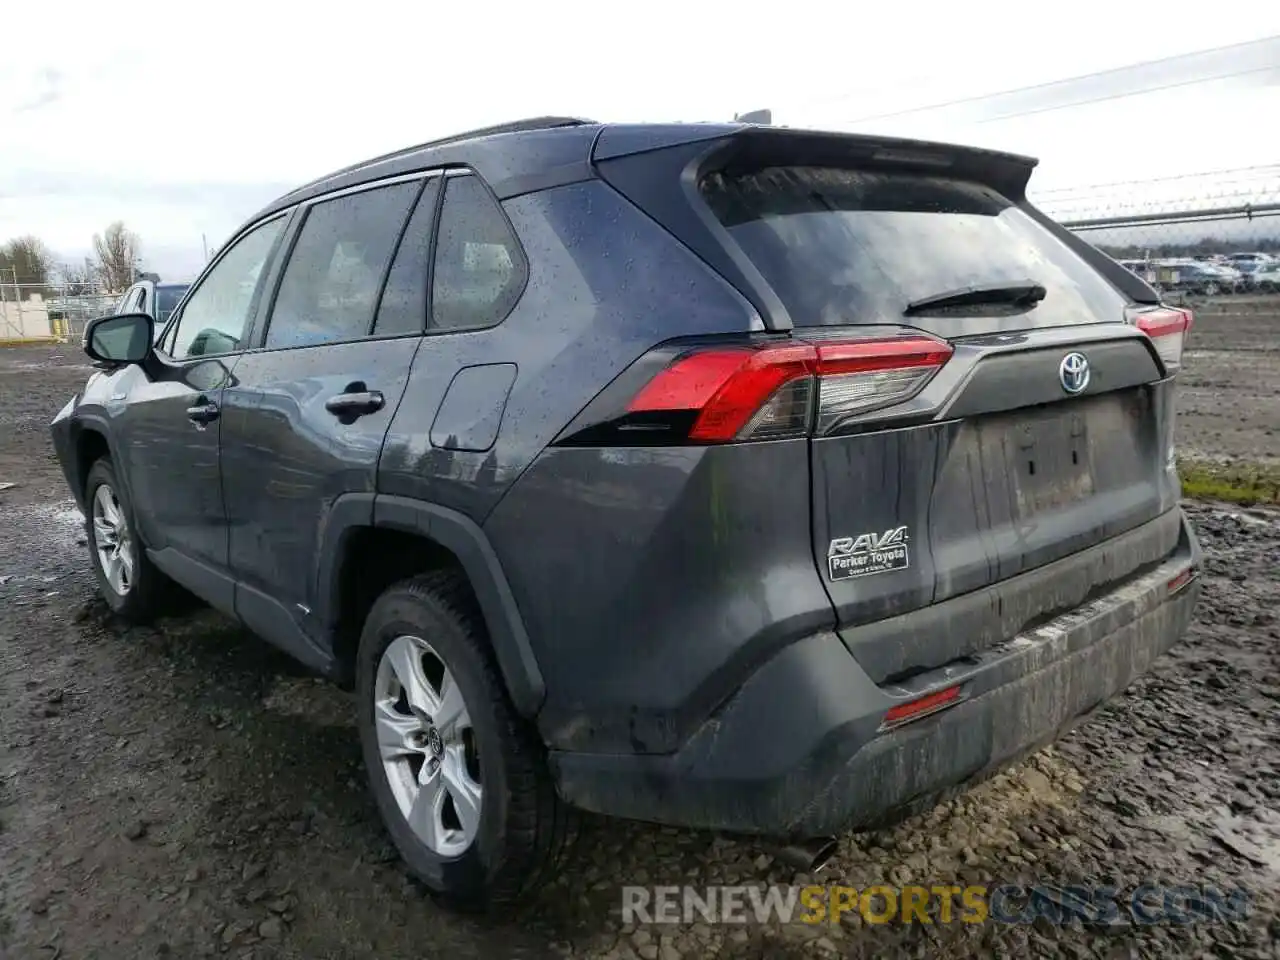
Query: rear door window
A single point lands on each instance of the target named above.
(329, 290)
(852, 246)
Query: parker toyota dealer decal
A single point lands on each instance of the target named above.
(868, 553)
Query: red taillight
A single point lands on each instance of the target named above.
(922, 707)
(765, 392)
(868, 356)
(726, 386)
(1167, 327)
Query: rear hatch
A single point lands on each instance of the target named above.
(987, 396)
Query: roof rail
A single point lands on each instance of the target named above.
(514, 126)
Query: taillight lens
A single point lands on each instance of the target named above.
(767, 392)
(727, 388)
(1167, 327)
(862, 376)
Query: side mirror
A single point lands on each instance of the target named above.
(124, 338)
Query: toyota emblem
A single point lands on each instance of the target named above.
(1074, 372)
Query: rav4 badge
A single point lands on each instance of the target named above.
(868, 553)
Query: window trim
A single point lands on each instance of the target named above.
(431, 261)
(523, 259)
(175, 318)
(257, 339)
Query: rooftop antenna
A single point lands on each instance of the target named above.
(764, 117)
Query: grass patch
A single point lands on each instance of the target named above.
(1243, 483)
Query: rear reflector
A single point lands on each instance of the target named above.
(1181, 580)
(1167, 327)
(915, 709)
(766, 392)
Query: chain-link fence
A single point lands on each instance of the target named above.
(49, 310)
(1201, 235)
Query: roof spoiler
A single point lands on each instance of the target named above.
(746, 146)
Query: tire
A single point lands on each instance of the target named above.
(140, 594)
(1210, 289)
(522, 828)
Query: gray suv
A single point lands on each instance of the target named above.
(765, 481)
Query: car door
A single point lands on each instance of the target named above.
(169, 431)
(306, 412)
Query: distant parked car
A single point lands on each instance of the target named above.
(1237, 259)
(154, 299)
(1202, 279)
(1266, 277)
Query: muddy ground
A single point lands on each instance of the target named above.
(1229, 393)
(186, 791)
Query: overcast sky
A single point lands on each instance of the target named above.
(183, 124)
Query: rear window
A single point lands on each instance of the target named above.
(166, 299)
(852, 246)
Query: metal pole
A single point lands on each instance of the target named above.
(17, 296)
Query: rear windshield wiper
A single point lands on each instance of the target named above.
(1026, 294)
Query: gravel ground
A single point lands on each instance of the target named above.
(186, 791)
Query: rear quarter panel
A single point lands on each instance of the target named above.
(605, 284)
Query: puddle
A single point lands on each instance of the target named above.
(42, 538)
(62, 519)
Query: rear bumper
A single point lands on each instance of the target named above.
(799, 751)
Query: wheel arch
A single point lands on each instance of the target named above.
(446, 538)
(91, 439)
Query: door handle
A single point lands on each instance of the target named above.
(203, 412)
(355, 401)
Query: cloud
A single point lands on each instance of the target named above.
(47, 90)
(182, 133)
(31, 183)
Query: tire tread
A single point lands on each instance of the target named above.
(541, 828)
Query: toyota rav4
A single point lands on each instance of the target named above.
(764, 481)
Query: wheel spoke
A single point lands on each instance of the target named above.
(466, 793)
(450, 713)
(110, 506)
(126, 562)
(395, 731)
(405, 657)
(104, 535)
(112, 570)
(424, 814)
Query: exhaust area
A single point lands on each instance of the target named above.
(808, 856)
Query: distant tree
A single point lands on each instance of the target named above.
(29, 260)
(117, 251)
(79, 280)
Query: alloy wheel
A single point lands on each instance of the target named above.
(112, 540)
(427, 745)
